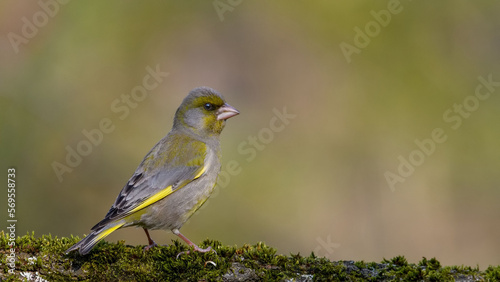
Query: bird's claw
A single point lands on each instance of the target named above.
(210, 262)
(150, 246)
(197, 249)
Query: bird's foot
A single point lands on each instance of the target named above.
(197, 249)
(152, 243)
(150, 246)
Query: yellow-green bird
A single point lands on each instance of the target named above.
(176, 177)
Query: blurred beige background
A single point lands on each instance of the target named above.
(362, 79)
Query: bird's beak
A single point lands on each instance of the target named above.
(226, 111)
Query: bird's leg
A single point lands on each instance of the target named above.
(152, 243)
(195, 247)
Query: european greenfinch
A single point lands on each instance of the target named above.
(175, 178)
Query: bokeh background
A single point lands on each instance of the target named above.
(317, 184)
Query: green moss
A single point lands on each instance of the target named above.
(493, 273)
(44, 257)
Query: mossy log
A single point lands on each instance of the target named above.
(43, 259)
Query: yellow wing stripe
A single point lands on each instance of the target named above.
(158, 196)
(107, 232)
(202, 171)
(162, 194)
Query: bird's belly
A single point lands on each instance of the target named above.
(174, 210)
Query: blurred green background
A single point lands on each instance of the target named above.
(317, 184)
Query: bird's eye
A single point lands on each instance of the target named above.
(209, 107)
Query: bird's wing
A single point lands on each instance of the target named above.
(161, 173)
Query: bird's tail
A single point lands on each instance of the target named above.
(87, 243)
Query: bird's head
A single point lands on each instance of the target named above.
(204, 111)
